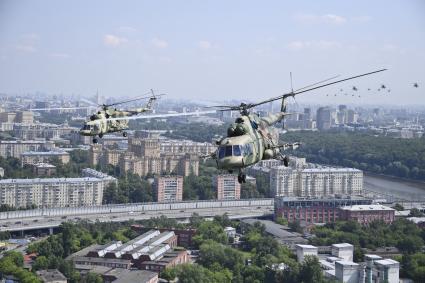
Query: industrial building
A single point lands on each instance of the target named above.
(153, 251)
(340, 266)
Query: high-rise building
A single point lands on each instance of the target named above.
(315, 182)
(168, 188)
(227, 187)
(51, 192)
(324, 118)
(25, 117)
(16, 148)
(352, 116)
(146, 147)
(34, 157)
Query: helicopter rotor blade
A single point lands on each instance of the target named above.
(196, 113)
(306, 89)
(61, 108)
(144, 96)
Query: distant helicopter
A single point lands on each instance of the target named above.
(112, 120)
(355, 88)
(416, 85)
(98, 125)
(252, 139)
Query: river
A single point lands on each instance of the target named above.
(408, 190)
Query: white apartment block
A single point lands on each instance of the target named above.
(185, 146)
(315, 182)
(16, 148)
(53, 192)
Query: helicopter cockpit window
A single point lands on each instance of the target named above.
(225, 151)
(86, 127)
(236, 150)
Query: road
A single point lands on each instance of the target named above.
(33, 223)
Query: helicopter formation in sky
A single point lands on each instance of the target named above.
(383, 89)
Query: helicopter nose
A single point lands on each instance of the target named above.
(230, 162)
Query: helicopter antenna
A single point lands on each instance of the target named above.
(290, 76)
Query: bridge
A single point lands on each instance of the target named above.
(49, 218)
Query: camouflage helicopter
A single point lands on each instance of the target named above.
(100, 123)
(252, 138)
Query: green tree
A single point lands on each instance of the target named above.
(210, 230)
(398, 207)
(40, 263)
(414, 212)
(310, 271)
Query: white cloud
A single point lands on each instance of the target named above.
(316, 19)
(28, 42)
(315, 44)
(113, 40)
(26, 48)
(159, 43)
(59, 55)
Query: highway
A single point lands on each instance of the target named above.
(235, 210)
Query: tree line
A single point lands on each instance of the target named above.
(403, 158)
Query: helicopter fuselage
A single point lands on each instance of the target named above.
(250, 140)
(99, 123)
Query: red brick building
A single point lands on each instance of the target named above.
(169, 259)
(313, 210)
(365, 214)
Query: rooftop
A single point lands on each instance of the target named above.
(49, 180)
(342, 245)
(45, 153)
(386, 262)
(307, 247)
(366, 207)
(51, 275)
(346, 263)
(132, 276)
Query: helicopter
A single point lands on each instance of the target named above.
(109, 121)
(98, 125)
(252, 138)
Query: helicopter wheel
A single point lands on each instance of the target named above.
(94, 140)
(124, 134)
(286, 161)
(100, 135)
(241, 178)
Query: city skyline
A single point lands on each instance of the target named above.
(214, 50)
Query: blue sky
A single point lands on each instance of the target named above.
(212, 50)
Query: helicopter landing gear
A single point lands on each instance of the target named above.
(241, 178)
(286, 161)
(94, 140)
(124, 134)
(100, 136)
